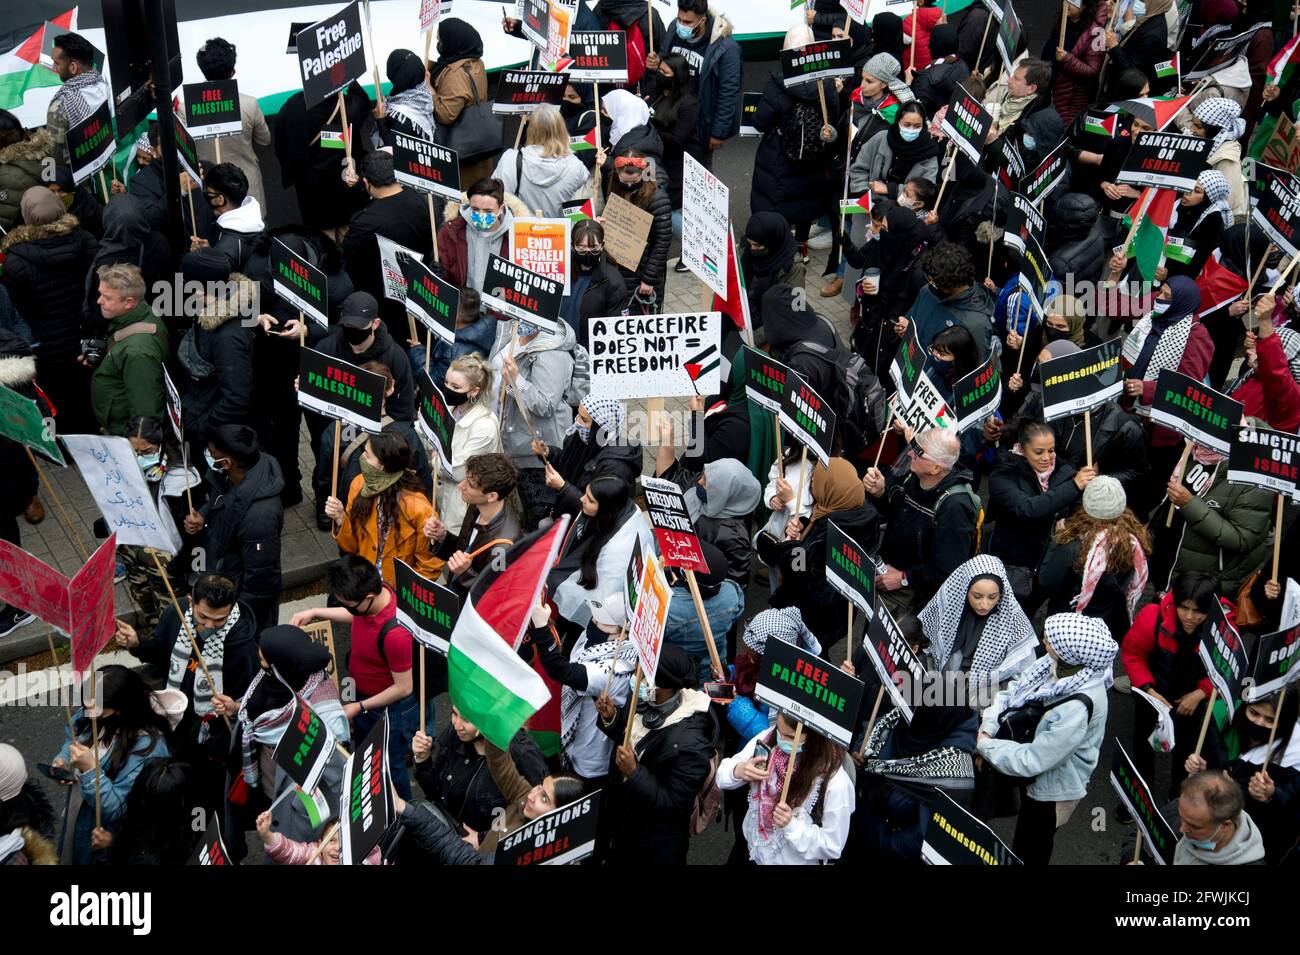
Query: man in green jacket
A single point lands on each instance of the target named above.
(129, 379)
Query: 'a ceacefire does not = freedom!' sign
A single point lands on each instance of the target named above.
(1264, 458)
(655, 356)
(1196, 411)
(521, 293)
(337, 389)
(331, 55)
(807, 689)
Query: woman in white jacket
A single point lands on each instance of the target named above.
(468, 387)
(812, 825)
(545, 172)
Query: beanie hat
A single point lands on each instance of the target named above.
(13, 772)
(1104, 499)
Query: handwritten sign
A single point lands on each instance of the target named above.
(109, 468)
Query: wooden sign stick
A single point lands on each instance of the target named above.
(718, 672)
(58, 506)
(871, 723)
(1087, 434)
(848, 635)
(780, 455)
(798, 498)
(189, 631)
(789, 769)
(1205, 723)
(1182, 466)
(1137, 849)
(1277, 536)
(334, 479)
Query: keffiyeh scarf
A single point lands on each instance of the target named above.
(608, 415)
(1168, 353)
(1094, 567)
(945, 766)
(80, 96)
(602, 656)
(213, 652)
(785, 624)
(1223, 113)
(1215, 186)
(1008, 637)
(1078, 641)
(268, 727)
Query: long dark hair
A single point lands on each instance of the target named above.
(125, 692)
(957, 341)
(667, 104)
(612, 494)
(818, 759)
(394, 455)
(152, 430)
(157, 829)
(642, 194)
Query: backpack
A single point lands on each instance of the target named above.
(636, 50)
(979, 512)
(388, 627)
(800, 130)
(859, 397)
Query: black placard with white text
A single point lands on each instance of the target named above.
(426, 166)
(331, 54)
(807, 689)
(522, 91)
(521, 293)
(817, 61)
(1165, 161)
(560, 837)
(807, 416)
(337, 389)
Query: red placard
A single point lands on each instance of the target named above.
(91, 593)
(33, 586)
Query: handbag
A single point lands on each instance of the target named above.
(477, 131)
(1248, 615)
(187, 353)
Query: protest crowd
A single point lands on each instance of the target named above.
(613, 577)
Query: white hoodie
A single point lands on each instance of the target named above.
(548, 180)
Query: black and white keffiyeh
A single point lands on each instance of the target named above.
(945, 766)
(785, 624)
(1007, 643)
(1215, 186)
(607, 415)
(1078, 641)
(602, 656)
(1223, 114)
(81, 95)
(1168, 351)
(213, 652)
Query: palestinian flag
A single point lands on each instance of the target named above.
(1156, 207)
(1282, 66)
(856, 207)
(1177, 250)
(1219, 285)
(314, 804)
(491, 686)
(1101, 125)
(1167, 68)
(579, 144)
(576, 210)
(1162, 108)
(558, 66)
(888, 108)
(736, 305)
(21, 69)
(544, 725)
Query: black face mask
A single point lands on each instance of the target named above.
(569, 110)
(664, 83)
(1051, 334)
(355, 336)
(455, 398)
(586, 261)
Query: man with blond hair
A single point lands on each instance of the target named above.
(128, 381)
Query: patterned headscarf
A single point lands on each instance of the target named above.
(1225, 115)
(1078, 641)
(1008, 642)
(786, 625)
(1215, 186)
(608, 415)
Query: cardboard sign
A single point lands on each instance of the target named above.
(434, 419)
(187, 152)
(32, 585)
(1047, 175)
(392, 256)
(748, 110)
(432, 301)
(521, 293)
(926, 408)
(212, 109)
(905, 370)
(954, 837)
(124, 498)
(1073, 384)
(321, 633)
(174, 407)
(366, 800)
(1165, 161)
(1274, 664)
(542, 246)
(90, 144)
(336, 389)
(560, 837)
(967, 123)
(306, 746)
(809, 418)
(426, 166)
(821, 60)
(850, 570)
(1196, 411)
(534, 16)
(1158, 835)
(331, 55)
(765, 379)
(427, 609)
(597, 56)
(651, 616)
(978, 394)
(211, 849)
(627, 229)
(893, 658)
(522, 91)
(809, 690)
(1023, 221)
(674, 532)
(1222, 52)
(1224, 656)
(300, 283)
(655, 356)
(1276, 200)
(1009, 35)
(21, 421)
(705, 219)
(1264, 458)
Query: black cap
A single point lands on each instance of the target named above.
(359, 310)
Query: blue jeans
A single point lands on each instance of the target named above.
(683, 626)
(403, 718)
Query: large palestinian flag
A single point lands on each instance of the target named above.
(21, 68)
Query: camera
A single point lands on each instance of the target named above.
(93, 349)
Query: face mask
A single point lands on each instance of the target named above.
(455, 398)
(355, 336)
(1030, 143)
(644, 692)
(787, 746)
(907, 203)
(148, 461)
(1160, 307)
(1139, 9)
(569, 110)
(684, 32)
(525, 329)
(664, 83)
(909, 135)
(214, 463)
(940, 364)
(586, 260)
(1205, 845)
(483, 221)
(1051, 334)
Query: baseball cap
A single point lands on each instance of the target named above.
(359, 310)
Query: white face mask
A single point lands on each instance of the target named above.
(907, 203)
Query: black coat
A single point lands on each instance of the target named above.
(400, 405)
(821, 605)
(607, 294)
(226, 396)
(646, 140)
(1078, 245)
(402, 218)
(913, 542)
(1146, 47)
(1024, 513)
(1119, 445)
(653, 268)
(45, 272)
(228, 250)
(1061, 582)
(458, 777)
(680, 137)
(798, 189)
(244, 526)
(935, 84)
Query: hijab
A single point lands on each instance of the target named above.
(887, 35)
(1184, 300)
(1007, 643)
(1069, 307)
(40, 206)
(457, 41)
(786, 326)
(931, 727)
(1237, 255)
(772, 231)
(1223, 116)
(626, 112)
(405, 71)
(897, 244)
(732, 492)
(943, 41)
(762, 428)
(1215, 186)
(295, 657)
(835, 489)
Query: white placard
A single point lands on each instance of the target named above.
(108, 466)
(655, 356)
(705, 205)
(391, 267)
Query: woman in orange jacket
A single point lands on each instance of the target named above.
(385, 511)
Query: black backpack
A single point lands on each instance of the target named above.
(801, 132)
(859, 397)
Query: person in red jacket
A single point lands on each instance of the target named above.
(917, 26)
(1159, 656)
(1268, 388)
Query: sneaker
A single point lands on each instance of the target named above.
(823, 241)
(681, 266)
(11, 618)
(119, 572)
(803, 253)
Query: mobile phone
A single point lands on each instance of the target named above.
(61, 773)
(762, 751)
(721, 692)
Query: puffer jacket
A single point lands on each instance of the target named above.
(1152, 644)
(798, 189)
(1074, 81)
(1271, 393)
(718, 81)
(129, 381)
(1227, 531)
(17, 476)
(545, 370)
(20, 169)
(231, 242)
(547, 180)
(653, 268)
(1075, 238)
(226, 395)
(45, 272)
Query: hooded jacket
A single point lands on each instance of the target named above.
(453, 242)
(718, 82)
(935, 84)
(606, 294)
(721, 512)
(18, 483)
(547, 180)
(1246, 847)
(1151, 644)
(230, 243)
(1227, 531)
(1077, 241)
(545, 370)
(20, 169)
(45, 272)
(244, 527)
(795, 188)
(225, 396)
(127, 239)
(129, 381)
(1075, 78)
(972, 307)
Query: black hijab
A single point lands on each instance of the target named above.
(405, 71)
(457, 41)
(1236, 256)
(772, 231)
(897, 244)
(295, 657)
(786, 326)
(906, 155)
(887, 35)
(931, 727)
(943, 41)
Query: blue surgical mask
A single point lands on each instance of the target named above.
(1205, 845)
(787, 746)
(1030, 143)
(645, 692)
(213, 462)
(685, 32)
(483, 221)
(148, 461)
(1139, 9)
(909, 135)
(525, 329)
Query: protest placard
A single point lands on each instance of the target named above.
(90, 144)
(1273, 666)
(1196, 411)
(522, 91)
(425, 608)
(1264, 458)
(426, 166)
(705, 220)
(434, 419)
(748, 110)
(1009, 35)
(391, 256)
(560, 15)
(21, 421)
(521, 293)
(635, 566)
(1047, 175)
(821, 60)
(336, 389)
(321, 633)
(925, 408)
(596, 56)
(300, 283)
(906, 368)
(431, 300)
(331, 54)
(977, 395)
(1010, 165)
(627, 228)
(651, 615)
(211, 849)
(187, 152)
(1035, 272)
(765, 379)
(894, 660)
(955, 837)
(673, 529)
(560, 837)
(542, 246)
(849, 570)
(90, 605)
(306, 746)
(1023, 220)
(967, 124)
(1224, 656)
(1165, 161)
(1082, 381)
(808, 417)
(809, 690)
(212, 109)
(1158, 835)
(366, 799)
(34, 586)
(534, 15)
(108, 466)
(1275, 198)
(295, 27)
(655, 356)
(1222, 51)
